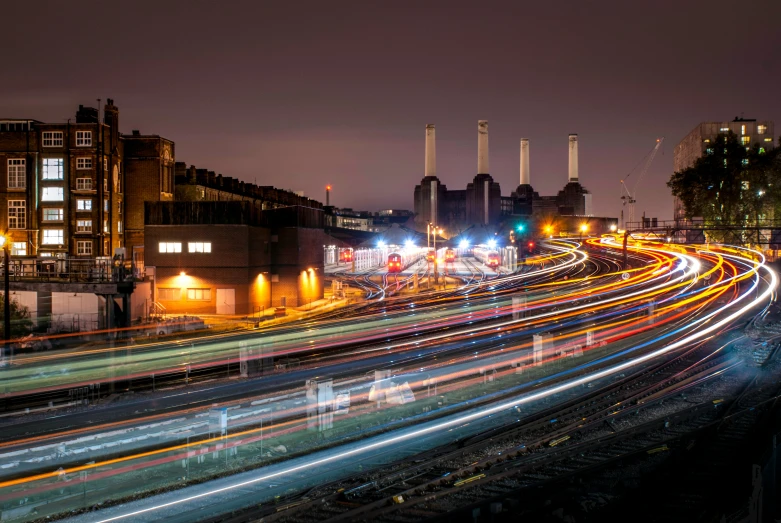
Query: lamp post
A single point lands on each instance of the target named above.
(4, 244)
(428, 249)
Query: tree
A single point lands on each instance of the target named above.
(20, 318)
(731, 184)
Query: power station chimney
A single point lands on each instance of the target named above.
(327, 195)
(482, 147)
(573, 157)
(431, 151)
(525, 180)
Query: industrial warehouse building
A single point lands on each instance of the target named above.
(229, 257)
(482, 203)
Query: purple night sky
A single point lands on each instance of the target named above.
(297, 95)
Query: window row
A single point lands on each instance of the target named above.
(53, 169)
(170, 294)
(175, 247)
(55, 138)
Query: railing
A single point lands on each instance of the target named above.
(70, 270)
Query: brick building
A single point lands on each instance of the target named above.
(193, 184)
(229, 257)
(67, 186)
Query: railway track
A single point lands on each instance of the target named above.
(493, 456)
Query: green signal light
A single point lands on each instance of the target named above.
(520, 228)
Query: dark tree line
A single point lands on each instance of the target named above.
(731, 184)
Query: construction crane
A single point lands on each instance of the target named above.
(630, 198)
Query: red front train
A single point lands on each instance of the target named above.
(395, 263)
(492, 260)
(346, 255)
(450, 256)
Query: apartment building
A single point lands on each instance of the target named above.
(66, 186)
(750, 132)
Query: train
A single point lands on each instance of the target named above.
(395, 262)
(345, 255)
(400, 260)
(450, 256)
(431, 255)
(487, 256)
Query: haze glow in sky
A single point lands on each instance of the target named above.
(298, 95)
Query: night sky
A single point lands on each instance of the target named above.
(297, 95)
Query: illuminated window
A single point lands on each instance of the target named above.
(52, 214)
(83, 205)
(52, 237)
(105, 184)
(52, 194)
(19, 249)
(744, 161)
(52, 139)
(83, 225)
(168, 294)
(706, 140)
(84, 248)
(709, 150)
(761, 129)
(83, 138)
(745, 185)
(724, 130)
(105, 205)
(768, 139)
(83, 184)
(105, 225)
(745, 140)
(17, 214)
(170, 247)
(199, 247)
(119, 226)
(743, 129)
(52, 169)
(17, 178)
(83, 163)
(105, 164)
(199, 294)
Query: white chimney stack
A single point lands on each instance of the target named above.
(573, 157)
(482, 147)
(431, 151)
(525, 180)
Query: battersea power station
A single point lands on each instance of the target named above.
(481, 204)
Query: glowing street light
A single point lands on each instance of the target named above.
(613, 227)
(409, 245)
(464, 244)
(584, 228)
(380, 244)
(492, 243)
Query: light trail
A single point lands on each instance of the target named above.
(523, 399)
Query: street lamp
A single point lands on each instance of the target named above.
(5, 245)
